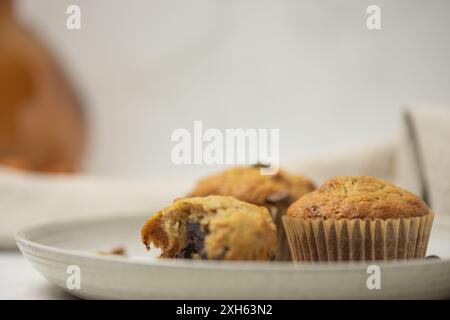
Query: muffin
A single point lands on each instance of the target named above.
(358, 218)
(275, 192)
(213, 228)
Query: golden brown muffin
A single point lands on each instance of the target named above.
(276, 192)
(358, 197)
(213, 227)
(358, 219)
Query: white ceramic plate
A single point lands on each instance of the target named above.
(53, 247)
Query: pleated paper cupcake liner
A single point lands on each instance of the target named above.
(357, 239)
(283, 249)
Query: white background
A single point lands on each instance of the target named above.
(310, 68)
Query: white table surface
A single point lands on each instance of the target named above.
(19, 280)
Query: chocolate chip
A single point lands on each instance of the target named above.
(195, 235)
(277, 177)
(195, 241)
(222, 253)
(261, 165)
(187, 252)
(116, 251)
(277, 197)
(194, 230)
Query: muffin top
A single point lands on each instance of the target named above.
(247, 184)
(213, 227)
(360, 197)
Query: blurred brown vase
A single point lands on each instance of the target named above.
(41, 121)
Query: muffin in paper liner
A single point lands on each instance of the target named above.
(358, 239)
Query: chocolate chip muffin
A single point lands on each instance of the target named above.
(275, 192)
(214, 228)
(358, 218)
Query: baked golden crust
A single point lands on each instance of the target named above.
(247, 184)
(213, 227)
(360, 197)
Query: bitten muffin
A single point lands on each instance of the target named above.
(358, 218)
(214, 228)
(275, 192)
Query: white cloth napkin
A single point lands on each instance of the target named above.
(423, 162)
(29, 199)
